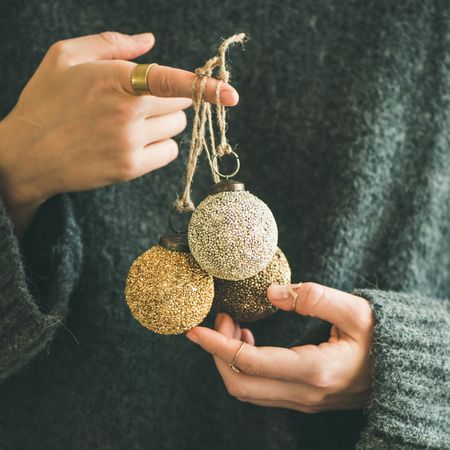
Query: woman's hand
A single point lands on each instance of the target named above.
(79, 125)
(311, 378)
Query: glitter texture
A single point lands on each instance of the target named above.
(167, 291)
(232, 235)
(246, 300)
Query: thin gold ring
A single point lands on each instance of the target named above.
(295, 296)
(232, 363)
(139, 78)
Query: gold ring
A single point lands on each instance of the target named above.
(232, 363)
(295, 296)
(139, 78)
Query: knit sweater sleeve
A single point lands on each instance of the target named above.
(37, 277)
(410, 404)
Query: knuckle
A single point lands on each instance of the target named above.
(316, 398)
(313, 295)
(165, 85)
(126, 168)
(124, 142)
(235, 390)
(59, 50)
(124, 112)
(322, 378)
(110, 37)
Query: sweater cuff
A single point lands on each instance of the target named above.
(37, 277)
(410, 404)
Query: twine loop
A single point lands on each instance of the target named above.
(203, 120)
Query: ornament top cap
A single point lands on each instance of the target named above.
(174, 241)
(226, 185)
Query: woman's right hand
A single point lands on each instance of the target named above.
(79, 125)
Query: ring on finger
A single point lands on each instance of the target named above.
(294, 296)
(232, 363)
(139, 78)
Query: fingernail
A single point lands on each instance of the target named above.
(193, 337)
(143, 37)
(229, 96)
(280, 292)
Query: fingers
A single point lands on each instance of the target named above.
(165, 82)
(105, 45)
(348, 312)
(160, 128)
(241, 385)
(281, 363)
(155, 156)
(147, 106)
(231, 328)
(328, 377)
(159, 106)
(171, 82)
(247, 336)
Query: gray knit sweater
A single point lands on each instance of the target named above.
(342, 129)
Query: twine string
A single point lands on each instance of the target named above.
(203, 120)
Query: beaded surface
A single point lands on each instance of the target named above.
(246, 300)
(232, 235)
(167, 291)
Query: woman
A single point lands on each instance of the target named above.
(342, 129)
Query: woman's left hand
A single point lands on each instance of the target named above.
(334, 375)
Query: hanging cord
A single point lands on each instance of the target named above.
(203, 120)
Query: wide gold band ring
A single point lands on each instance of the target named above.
(139, 78)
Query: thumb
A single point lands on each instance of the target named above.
(348, 312)
(106, 45)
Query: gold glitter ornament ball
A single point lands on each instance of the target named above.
(246, 300)
(167, 291)
(232, 234)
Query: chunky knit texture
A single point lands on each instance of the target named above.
(343, 131)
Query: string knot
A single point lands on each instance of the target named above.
(223, 149)
(202, 72)
(184, 206)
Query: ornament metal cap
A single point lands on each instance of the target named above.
(226, 186)
(175, 242)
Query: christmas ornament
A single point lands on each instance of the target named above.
(232, 234)
(246, 300)
(166, 290)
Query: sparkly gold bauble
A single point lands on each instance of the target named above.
(232, 235)
(167, 291)
(246, 300)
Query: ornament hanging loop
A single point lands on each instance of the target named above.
(218, 156)
(203, 122)
(172, 226)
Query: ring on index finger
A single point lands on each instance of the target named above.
(139, 78)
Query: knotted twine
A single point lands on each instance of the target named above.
(203, 119)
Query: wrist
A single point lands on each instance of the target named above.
(19, 189)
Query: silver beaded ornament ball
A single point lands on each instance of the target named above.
(232, 234)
